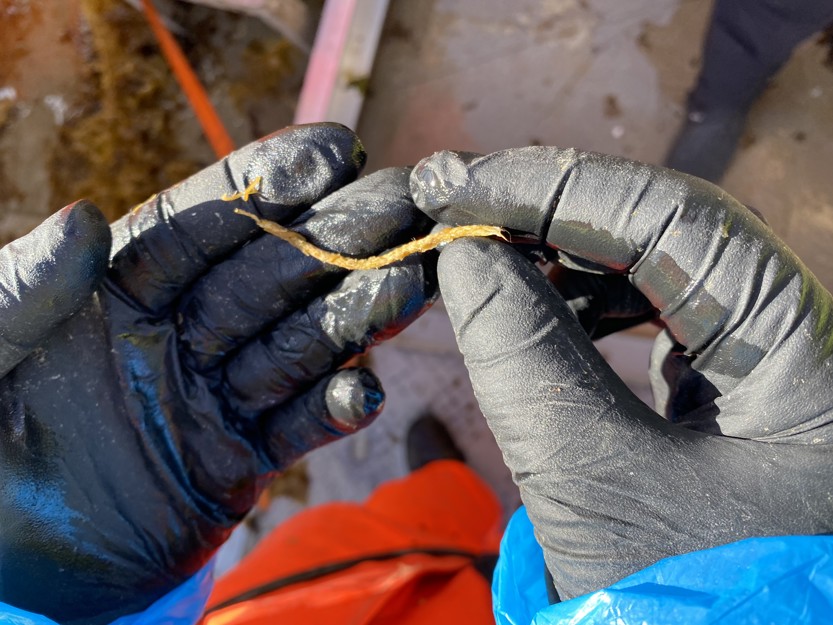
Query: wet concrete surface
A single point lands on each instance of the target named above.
(598, 75)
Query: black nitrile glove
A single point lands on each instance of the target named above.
(744, 373)
(144, 402)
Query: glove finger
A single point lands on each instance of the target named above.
(364, 309)
(164, 245)
(263, 282)
(47, 275)
(338, 405)
(728, 290)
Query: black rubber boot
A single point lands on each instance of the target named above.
(706, 143)
(428, 440)
(747, 43)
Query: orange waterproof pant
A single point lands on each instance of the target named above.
(409, 555)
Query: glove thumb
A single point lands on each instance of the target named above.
(567, 425)
(47, 275)
(538, 378)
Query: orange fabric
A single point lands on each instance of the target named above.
(212, 125)
(443, 505)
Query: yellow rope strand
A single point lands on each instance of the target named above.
(347, 262)
(373, 262)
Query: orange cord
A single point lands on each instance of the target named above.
(212, 125)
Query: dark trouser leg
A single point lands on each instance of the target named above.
(748, 41)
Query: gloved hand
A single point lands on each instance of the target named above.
(743, 374)
(145, 400)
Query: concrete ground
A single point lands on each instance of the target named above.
(600, 75)
(477, 75)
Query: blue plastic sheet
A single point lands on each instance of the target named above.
(779, 580)
(182, 606)
(518, 590)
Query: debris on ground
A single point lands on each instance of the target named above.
(89, 107)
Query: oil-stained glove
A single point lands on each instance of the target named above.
(147, 392)
(743, 374)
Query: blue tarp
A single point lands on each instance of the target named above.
(785, 580)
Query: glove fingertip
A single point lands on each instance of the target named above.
(299, 165)
(335, 407)
(354, 397)
(434, 181)
(87, 241)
